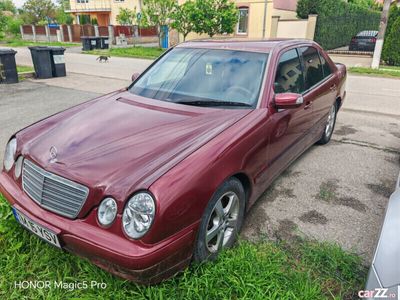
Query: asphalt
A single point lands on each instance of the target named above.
(336, 192)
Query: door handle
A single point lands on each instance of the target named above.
(333, 88)
(308, 105)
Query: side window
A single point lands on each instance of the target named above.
(325, 66)
(312, 67)
(289, 76)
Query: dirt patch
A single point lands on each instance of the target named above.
(396, 134)
(286, 230)
(393, 159)
(290, 173)
(385, 188)
(313, 217)
(327, 191)
(345, 130)
(352, 203)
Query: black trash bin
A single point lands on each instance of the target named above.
(8, 67)
(90, 43)
(96, 42)
(42, 61)
(58, 61)
(104, 42)
(86, 43)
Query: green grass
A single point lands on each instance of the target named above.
(136, 52)
(267, 270)
(16, 42)
(21, 69)
(384, 71)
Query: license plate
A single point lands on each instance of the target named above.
(37, 229)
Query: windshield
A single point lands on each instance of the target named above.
(205, 77)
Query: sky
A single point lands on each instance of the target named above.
(19, 3)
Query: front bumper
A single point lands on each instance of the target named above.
(133, 260)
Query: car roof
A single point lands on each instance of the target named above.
(243, 45)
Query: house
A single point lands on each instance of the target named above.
(104, 11)
(257, 18)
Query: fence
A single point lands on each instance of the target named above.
(336, 31)
(73, 33)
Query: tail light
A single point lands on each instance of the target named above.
(373, 40)
(353, 39)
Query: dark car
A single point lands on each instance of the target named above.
(142, 181)
(364, 41)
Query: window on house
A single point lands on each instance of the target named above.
(243, 20)
(82, 1)
(119, 0)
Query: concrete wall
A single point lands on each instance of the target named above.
(294, 28)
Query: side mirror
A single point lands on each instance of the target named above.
(135, 76)
(288, 100)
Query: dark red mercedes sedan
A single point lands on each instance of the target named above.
(145, 180)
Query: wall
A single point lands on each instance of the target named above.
(292, 29)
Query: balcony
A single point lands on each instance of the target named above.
(77, 6)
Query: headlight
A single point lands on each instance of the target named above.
(138, 215)
(18, 167)
(107, 211)
(9, 156)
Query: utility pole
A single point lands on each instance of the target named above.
(381, 35)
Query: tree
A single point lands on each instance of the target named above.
(391, 53)
(3, 24)
(7, 5)
(38, 11)
(184, 17)
(215, 17)
(158, 13)
(60, 15)
(127, 16)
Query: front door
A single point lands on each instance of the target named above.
(290, 126)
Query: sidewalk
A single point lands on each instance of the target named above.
(117, 67)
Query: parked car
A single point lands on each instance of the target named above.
(141, 181)
(364, 41)
(384, 274)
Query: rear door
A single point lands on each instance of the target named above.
(319, 88)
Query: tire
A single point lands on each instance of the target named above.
(226, 207)
(330, 126)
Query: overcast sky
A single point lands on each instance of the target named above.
(19, 3)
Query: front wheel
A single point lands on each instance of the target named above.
(329, 127)
(221, 221)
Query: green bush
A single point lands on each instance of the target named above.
(338, 21)
(13, 25)
(391, 52)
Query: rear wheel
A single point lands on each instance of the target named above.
(329, 127)
(221, 221)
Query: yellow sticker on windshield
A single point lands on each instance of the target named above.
(209, 69)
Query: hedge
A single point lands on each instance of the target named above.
(338, 21)
(391, 52)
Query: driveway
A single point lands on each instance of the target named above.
(336, 192)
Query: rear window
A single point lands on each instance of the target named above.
(313, 71)
(370, 33)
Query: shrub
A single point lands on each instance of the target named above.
(338, 21)
(391, 53)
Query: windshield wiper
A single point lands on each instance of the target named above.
(213, 103)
